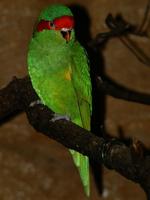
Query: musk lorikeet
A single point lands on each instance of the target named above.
(59, 72)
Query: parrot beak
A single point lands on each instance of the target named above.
(66, 33)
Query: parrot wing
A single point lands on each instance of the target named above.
(82, 85)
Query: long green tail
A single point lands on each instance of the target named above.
(82, 163)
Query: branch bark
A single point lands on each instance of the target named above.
(114, 154)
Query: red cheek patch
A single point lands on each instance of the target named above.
(43, 25)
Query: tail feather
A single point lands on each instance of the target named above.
(82, 163)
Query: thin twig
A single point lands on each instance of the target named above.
(111, 88)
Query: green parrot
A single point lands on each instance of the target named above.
(59, 72)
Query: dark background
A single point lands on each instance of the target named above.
(31, 165)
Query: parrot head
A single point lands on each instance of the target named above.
(59, 19)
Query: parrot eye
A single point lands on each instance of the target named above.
(52, 25)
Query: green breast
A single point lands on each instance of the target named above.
(49, 61)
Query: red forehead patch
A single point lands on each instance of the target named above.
(64, 22)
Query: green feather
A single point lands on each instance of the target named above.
(51, 12)
(59, 74)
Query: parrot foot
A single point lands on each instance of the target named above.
(57, 116)
(33, 103)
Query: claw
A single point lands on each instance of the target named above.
(57, 116)
(33, 103)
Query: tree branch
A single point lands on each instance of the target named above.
(115, 90)
(121, 29)
(114, 154)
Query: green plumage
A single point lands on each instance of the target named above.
(51, 12)
(59, 74)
